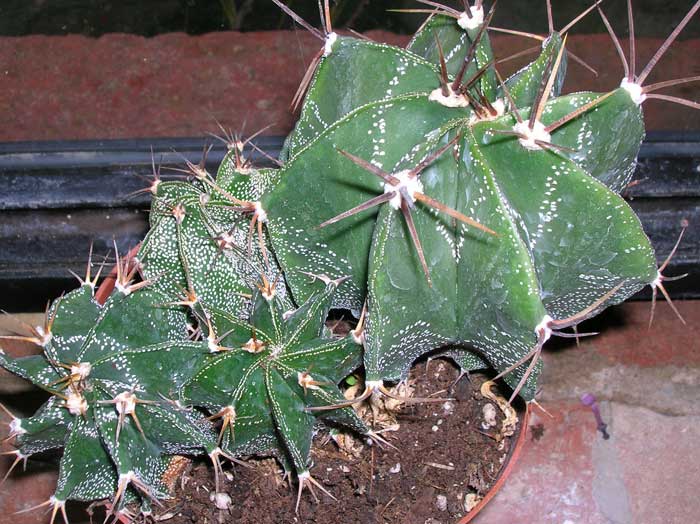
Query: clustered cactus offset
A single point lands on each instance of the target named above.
(452, 211)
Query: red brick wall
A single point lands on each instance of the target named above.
(118, 86)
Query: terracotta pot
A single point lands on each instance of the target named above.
(513, 455)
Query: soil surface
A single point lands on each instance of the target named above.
(444, 460)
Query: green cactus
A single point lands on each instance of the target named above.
(194, 228)
(508, 286)
(111, 371)
(464, 215)
(344, 138)
(269, 373)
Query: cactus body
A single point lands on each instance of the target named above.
(278, 365)
(109, 369)
(488, 293)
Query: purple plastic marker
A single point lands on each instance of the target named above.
(588, 399)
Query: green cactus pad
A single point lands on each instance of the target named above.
(132, 346)
(262, 385)
(551, 257)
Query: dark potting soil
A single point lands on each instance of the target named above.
(444, 460)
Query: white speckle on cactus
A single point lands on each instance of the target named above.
(179, 212)
(411, 184)
(154, 186)
(229, 411)
(16, 427)
(212, 344)
(125, 479)
(81, 370)
(76, 404)
(331, 38)
(125, 403)
(254, 346)
(530, 137)
(306, 381)
(374, 385)
(44, 337)
(500, 106)
(124, 290)
(358, 338)
(304, 475)
(635, 91)
(470, 23)
(57, 504)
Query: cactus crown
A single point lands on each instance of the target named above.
(451, 209)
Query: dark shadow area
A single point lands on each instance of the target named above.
(655, 18)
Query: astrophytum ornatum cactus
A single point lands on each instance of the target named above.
(491, 210)
(509, 193)
(499, 222)
(266, 375)
(113, 371)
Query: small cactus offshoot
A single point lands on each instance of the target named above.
(109, 369)
(264, 376)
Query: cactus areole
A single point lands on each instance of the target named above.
(450, 209)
